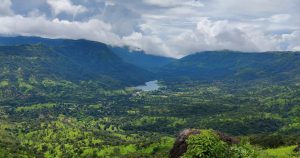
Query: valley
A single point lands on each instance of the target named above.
(77, 98)
(149, 79)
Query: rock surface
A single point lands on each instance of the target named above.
(180, 145)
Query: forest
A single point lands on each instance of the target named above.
(59, 100)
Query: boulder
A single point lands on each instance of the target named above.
(180, 145)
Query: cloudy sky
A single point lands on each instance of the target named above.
(162, 27)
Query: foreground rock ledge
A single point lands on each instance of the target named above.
(180, 145)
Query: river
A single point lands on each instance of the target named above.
(149, 86)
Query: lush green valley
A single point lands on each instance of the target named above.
(75, 99)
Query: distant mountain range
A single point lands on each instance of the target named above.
(234, 66)
(119, 66)
(70, 60)
(137, 58)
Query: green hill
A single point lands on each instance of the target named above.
(234, 66)
(32, 72)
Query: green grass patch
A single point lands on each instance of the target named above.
(35, 107)
(4, 83)
(282, 152)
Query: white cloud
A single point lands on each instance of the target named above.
(259, 8)
(291, 41)
(5, 7)
(219, 35)
(278, 18)
(151, 44)
(296, 48)
(66, 6)
(173, 3)
(123, 21)
(109, 3)
(40, 26)
(163, 27)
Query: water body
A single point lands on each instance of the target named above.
(149, 86)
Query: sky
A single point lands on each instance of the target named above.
(173, 28)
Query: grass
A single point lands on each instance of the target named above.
(282, 152)
(35, 107)
(4, 83)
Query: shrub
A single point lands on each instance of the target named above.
(207, 144)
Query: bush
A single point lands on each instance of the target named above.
(207, 144)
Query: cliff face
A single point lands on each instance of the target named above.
(180, 145)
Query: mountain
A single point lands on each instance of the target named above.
(141, 59)
(99, 59)
(137, 58)
(39, 72)
(19, 40)
(94, 57)
(230, 65)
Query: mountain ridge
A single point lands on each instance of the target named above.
(141, 59)
(218, 65)
(204, 66)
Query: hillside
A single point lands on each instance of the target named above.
(234, 66)
(38, 72)
(21, 40)
(99, 59)
(96, 57)
(137, 58)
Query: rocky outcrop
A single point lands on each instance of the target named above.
(180, 145)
